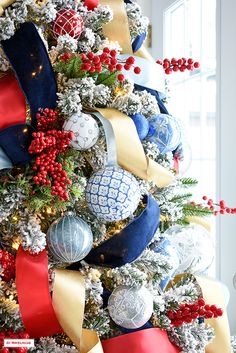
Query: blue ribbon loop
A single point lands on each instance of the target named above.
(129, 244)
(29, 59)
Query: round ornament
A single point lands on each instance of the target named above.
(67, 21)
(85, 130)
(69, 239)
(165, 132)
(112, 194)
(130, 307)
(194, 246)
(91, 4)
(163, 246)
(141, 124)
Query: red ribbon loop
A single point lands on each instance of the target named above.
(12, 102)
(151, 340)
(34, 295)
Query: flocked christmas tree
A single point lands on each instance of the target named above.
(89, 177)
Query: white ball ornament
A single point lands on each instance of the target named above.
(112, 194)
(69, 239)
(130, 307)
(85, 129)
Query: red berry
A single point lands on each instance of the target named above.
(190, 61)
(111, 68)
(216, 213)
(96, 60)
(180, 62)
(166, 65)
(130, 60)
(204, 198)
(90, 55)
(168, 71)
(121, 77)
(127, 67)
(196, 65)
(113, 53)
(209, 314)
(228, 210)
(201, 302)
(222, 212)
(213, 307)
(119, 67)
(175, 68)
(137, 70)
(188, 320)
(106, 50)
(171, 314)
(219, 312)
(159, 62)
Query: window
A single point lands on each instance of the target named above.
(190, 31)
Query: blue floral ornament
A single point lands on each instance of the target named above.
(141, 124)
(112, 194)
(165, 132)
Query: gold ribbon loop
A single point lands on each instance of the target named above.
(130, 152)
(118, 28)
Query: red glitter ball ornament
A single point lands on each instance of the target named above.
(68, 22)
(91, 4)
(7, 263)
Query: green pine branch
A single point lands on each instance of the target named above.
(190, 210)
(188, 182)
(181, 198)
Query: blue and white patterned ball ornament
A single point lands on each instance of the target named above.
(69, 239)
(165, 132)
(112, 194)
(85, 129)
(141, 124)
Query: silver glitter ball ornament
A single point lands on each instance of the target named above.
(69, 239)
(130, 307)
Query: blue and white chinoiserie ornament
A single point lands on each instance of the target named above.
(130, 307)
(165, 132)
(141, 124)
(194, 246)
(163, 246)
(112, 194)
(69, 239)
(85, 129)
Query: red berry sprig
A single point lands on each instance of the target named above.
(49, 144)
(7, 264)
(175, 65)
(108, 60)
(219, 208)
(187, 313)
(12, 335)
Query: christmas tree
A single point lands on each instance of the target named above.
(101, 246)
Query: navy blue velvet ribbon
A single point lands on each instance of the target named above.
(129, 244)
(29, 59)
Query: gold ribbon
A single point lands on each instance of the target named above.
(130, 151)
(201, 221)
(213, 293)
(68, 301)
(118, 28)
(4, 4)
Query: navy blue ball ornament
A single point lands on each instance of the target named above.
(112, 194)
(165, 132)
(141, 124)
(69, 239)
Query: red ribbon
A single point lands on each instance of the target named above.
(151, 340)
(34, 295)
(12, 102)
